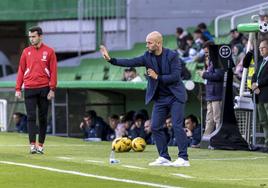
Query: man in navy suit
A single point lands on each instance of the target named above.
(166, 89)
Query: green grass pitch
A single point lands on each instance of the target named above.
(71, 163)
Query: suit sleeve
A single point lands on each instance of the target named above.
(21, 71)
(254, 79)
(263, 80)
(134, 62)
(53, 71)
(175, 74)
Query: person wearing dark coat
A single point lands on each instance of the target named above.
(167, 90)
(214, 90)
(260, 88)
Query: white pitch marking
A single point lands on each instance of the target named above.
(47, 145)
(234, 179)
(231, 179)
(135, 167)
(89, 175)
(94, 161)
(183, 175)
(229, 159)
(65, 158)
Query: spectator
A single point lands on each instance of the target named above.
(214, 88)
(199, 39)
(126, 75)
(137, 129)
(111, 131)
(181, 37)
(169, 132)
(205, 32)
(20, 120)
(193, 131)
(236, 37)
(238, 56)
(93, 126)
(85, 125)
(133, 75)
(121, 130)
(148, 132)
(191, 50)
(130, 74)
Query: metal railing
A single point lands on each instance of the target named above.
(237, 12)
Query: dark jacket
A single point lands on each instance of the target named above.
(214, 85)
(171, 72)
(195, 139)
(262, 83)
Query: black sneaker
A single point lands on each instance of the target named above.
(33, 149)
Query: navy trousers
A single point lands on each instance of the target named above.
(162, 107)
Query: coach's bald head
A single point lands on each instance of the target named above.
(154, 42)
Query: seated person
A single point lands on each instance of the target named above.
(20, 120)
(133, 75)
(93, 126)
(148, 132)
(111, 131)
(121, 130)
(193, 131)
(181, 36)
(169, 132)
(126, 120)
(137, 128)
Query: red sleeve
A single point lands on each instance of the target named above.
(53, 71)
(21, 71)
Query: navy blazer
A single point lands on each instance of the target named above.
(170, 69)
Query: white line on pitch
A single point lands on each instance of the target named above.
(89, 175)
(183, 175)
(229, 159)
(47, 145)
(94, 161)
(135, 167)
(65, 158)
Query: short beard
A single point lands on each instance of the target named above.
(151, 51)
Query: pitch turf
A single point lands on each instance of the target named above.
(69, 162)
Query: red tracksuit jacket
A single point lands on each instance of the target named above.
(37, 68)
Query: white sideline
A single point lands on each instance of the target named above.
(229, 159)
(46, 145)
(93, 161)
(88, 175)
(64, 158)
(134, 167)
(183, 176)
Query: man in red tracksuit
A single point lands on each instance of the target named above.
(38, 74)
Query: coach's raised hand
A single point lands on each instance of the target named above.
(105, 53)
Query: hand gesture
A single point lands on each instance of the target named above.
(104, 53)
(152, 74)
